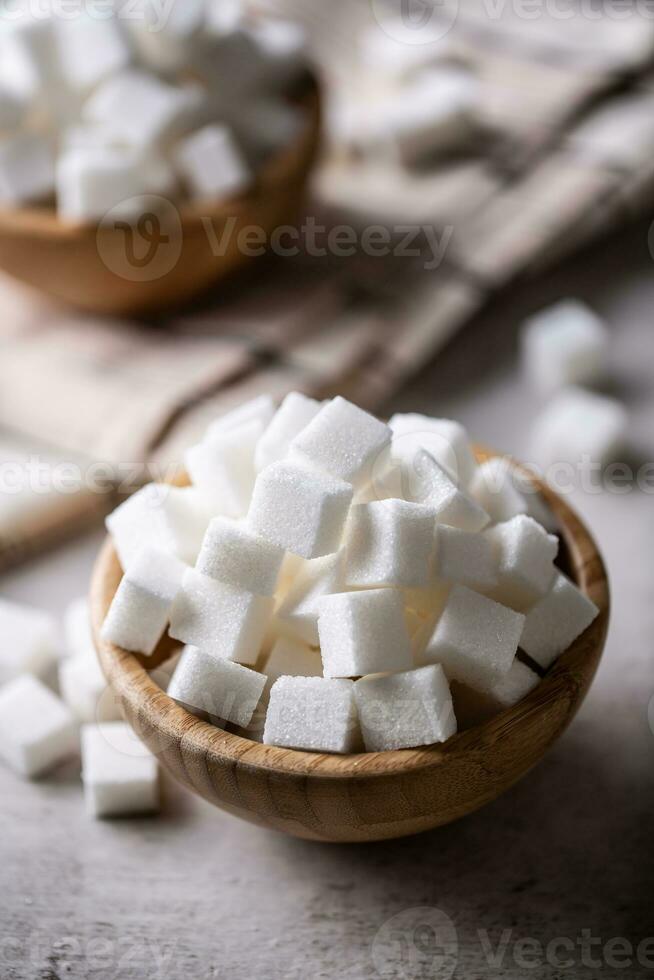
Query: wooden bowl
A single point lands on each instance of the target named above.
(371, 796)
(171, 256)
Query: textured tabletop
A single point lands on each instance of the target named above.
(555, 879)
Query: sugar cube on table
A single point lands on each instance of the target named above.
(300, 510)
(222, 467)
(232, 554)
(444, 439)
(363, 633)
(556, 621)
(37, 730)
(525, 555)
(497, 491)
(90, 49)
(260, 409)
(77, 628)
(389, 543)
(291, 658)
(226, 622)
(216, 689)
(431, 485)
(84, 689)
(29, 641)
(565, 344)
(27, 169)
(212, 164)
(297, 614)
(172, 519)
(120, 775)
(474, 707)
(577, 425)
(465, 557)
(316, 714)
(343, 441)
(293, 415)
(142, 603)
(475, 639)
(401, 711)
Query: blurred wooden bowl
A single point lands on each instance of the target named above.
(171, 256)
(371, 796)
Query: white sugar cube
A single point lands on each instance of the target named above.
(172, 519)
(400, 711)
(474, 707)
(90, 49)
(120, 775)
(475, 639)
(226, 622)
(260, 409)
(578, 425)
(143, 110)
(297, 615)
(556, 621)
(465, 557)
(222, 467)
(290, 658)
(215, 688)
(141, 606)
(313, 713)
(230, 553)
(497, 491)
(525, 555)
(12, 109)
(167, 36)
(389, 542)
(444, 439)
(212, 164)
(431, 485)
(84, 689)
(37, 730)
(363, 633)
(293, 415)
(566, 344)
(343, 441)
(302, 511)
(27, 169)
(29, 641)
(77, 628)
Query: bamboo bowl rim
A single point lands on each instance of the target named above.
(129, 678)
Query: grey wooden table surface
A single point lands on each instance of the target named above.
(556, 879)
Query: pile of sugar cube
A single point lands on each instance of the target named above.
(341, 584)
(183, 100)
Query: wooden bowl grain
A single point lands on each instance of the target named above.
(109, 269)
(371, 796)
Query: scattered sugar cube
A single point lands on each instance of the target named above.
(444, 439)
(212, 164)
(215, 688)
(343, 441)
(140, 608)
(222, 467)
(474, 707)
(290, 658)
(77, 628)
(230, 553)
(91, 48)
(465, 557)
(302, 511)
(389, 542)
(29, 641)
(297, 615)
(37, 730)
(172, 519)
(363, 633)
(27, 169)
(494, 488)
(566, 344)
(292, 416)
(556, 621)
(226, 622)
(120, 775)
(317, 714)
(577, 424)
(475, 639)
(84, 689)
(432, 486)
(260, 409)
(525, 555)
(401, 711)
